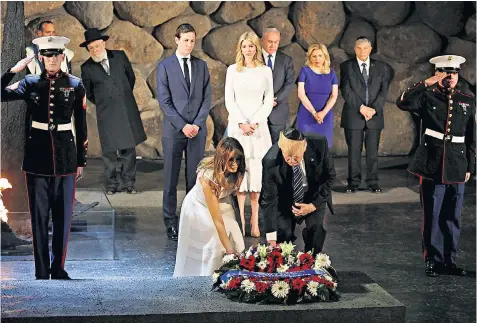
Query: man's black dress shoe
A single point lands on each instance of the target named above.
(130, 190)
(350, 189)
(375, 189)
(43, 278)
(432, 268)
(454, 270)
(172, 233)
(61, 274)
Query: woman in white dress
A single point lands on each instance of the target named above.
(207, 225)
(249, 101)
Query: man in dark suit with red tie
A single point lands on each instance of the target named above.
(364, 85)
(298, 173)
(109, 81)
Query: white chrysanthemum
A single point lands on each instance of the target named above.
(280, 289)
(228, 258)
(322, 261)
(262, 250)
(224, 285)
(335, 285)
(247, 285)
(328, 278)
(283, 268)
(215, 277)
(312, 288)
(291, 260)
(287, 248)
(262, 264)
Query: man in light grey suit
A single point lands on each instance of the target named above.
(184, 95)
(283, 79)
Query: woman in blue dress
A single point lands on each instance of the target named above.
(317, 91)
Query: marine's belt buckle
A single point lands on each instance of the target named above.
(52, 127)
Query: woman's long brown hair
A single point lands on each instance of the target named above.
(221, 179)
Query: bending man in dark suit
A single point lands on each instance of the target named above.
(184, 94)
(283, 81)
(109, 81)
(364, 85)
(298, 173)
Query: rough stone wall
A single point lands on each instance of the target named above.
(405, 35)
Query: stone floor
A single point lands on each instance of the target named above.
(378, 234)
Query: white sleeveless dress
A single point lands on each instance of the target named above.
(199, 250)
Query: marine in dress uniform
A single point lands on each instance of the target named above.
(53, 161)
(444, 160)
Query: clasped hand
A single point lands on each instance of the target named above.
(190, 130)
(248, 129)
(303, 209)
(319, 116)
(367, 112)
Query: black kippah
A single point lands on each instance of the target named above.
(293, 134)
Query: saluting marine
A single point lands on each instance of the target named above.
(444, 159)
(52, 160)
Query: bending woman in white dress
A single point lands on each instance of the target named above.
(207, 225)
(249, 101)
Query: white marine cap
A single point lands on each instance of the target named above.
(448, 63)
(51, 44)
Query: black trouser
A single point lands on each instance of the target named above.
(314, 233)
(173, 149)
(45, 193)
(126, 160)
(354, 140)
(441, 209)
(275, 131)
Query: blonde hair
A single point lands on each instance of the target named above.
(291, 147)
(257, 59)
(326, 69)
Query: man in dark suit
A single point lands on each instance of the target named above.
(283, 80)
(364, 85)
(298, 173)
(183, 87)
(109, 81)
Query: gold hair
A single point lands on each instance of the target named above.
(291, 147)
(257, 59)
(326, 64)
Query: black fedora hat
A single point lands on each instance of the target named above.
(91, 35)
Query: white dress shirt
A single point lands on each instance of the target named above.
(105, 57)
(368, 65)
(360, 63)
(273, 235)
(181, 62)
(265, 57)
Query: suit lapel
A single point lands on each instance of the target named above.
(178, 71)
(309, 158)
(371, 70)
(357, 69)
(278, 62)
(194, 66)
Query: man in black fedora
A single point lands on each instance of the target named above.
(109, 81)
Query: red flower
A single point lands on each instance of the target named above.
(248, 263)
(306, 261)
(275, 259)
(261, 287)
(298, 284)
(234, 283)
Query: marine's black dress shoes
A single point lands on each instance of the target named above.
(60, 274)
(375, 189)
(433, 269)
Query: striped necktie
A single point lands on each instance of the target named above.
(298, 191)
